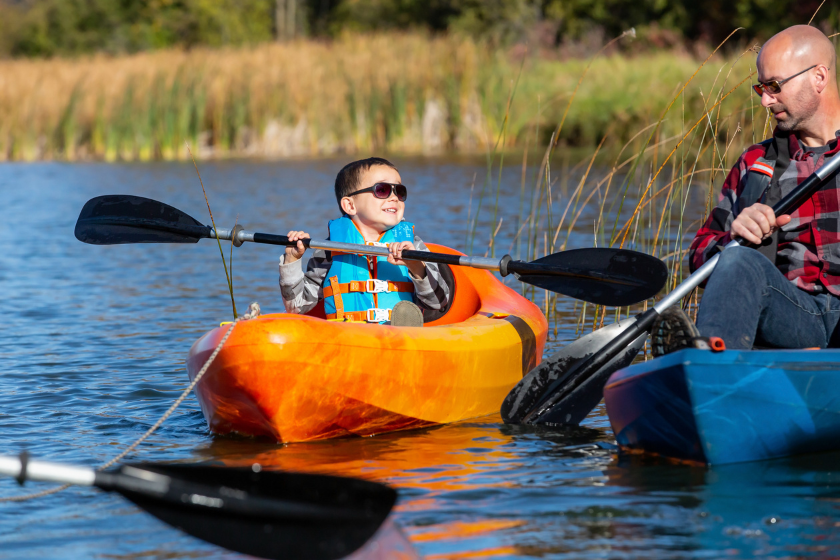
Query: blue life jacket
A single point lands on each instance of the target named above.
(360, 297)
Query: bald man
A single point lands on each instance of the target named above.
(785, 293)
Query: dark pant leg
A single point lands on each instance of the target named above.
(747, 298)
(832, 320)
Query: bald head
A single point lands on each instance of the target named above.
(799, 68)
(797, 48)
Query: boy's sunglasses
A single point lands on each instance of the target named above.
(384, 190)
(773, 87)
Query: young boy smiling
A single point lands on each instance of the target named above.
(372, 198)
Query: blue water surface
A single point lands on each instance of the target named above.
(92, 353)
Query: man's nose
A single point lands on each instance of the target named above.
(767, 99)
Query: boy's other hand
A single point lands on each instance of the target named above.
(295, 252)
(416, 268)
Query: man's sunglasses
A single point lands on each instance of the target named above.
(384, 190)
(773, 87)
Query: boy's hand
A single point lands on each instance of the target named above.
(295, 252)
(417, 268)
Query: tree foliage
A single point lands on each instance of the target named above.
(67, 27)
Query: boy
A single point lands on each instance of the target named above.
(372, 201)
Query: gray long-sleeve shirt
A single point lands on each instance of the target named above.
(302, 291)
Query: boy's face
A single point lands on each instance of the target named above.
(379, 214)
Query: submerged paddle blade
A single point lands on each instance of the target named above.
(555, 371)
(118, 219)
(261, 513)
(575, 405)
(607, 276)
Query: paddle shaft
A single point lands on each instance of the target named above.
(643, 322)
(144, 482)
(505, 265)
(23, 469)
(240, 236)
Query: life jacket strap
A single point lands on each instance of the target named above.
(372, 315)
(334, 288)
(374, 286)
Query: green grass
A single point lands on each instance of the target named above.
(354, 95)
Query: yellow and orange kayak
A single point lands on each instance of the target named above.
(301, 377)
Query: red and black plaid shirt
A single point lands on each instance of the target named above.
(809, 246)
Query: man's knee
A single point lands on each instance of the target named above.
(744, 263)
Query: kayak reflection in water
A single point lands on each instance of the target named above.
(372, 199)
(389, 543)
(786, 293)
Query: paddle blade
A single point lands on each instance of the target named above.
(614, 277)
(557, 370)
(260, 513)
(118, 219)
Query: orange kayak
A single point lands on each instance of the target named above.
(301, 377)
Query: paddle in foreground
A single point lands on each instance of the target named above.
(267, 514)
(614, 277)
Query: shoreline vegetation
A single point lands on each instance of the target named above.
(399, 93)
(661, 125)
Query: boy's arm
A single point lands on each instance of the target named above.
(431, 292)
(300, 291)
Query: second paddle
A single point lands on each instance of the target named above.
(614, 277)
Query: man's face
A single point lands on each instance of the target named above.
(797, 102)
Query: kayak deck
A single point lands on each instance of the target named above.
(728, 407)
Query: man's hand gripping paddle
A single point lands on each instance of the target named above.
(614, 277)
(565, 387)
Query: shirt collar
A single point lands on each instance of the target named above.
(797, 152)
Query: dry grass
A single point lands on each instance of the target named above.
(405, 93)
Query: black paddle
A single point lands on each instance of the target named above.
(565, 387)
(267, 514)
(615, 277)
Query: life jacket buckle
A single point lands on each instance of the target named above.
(377, 315)
(376, 286)
(376, 244)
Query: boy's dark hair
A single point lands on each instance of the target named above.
(347, 180)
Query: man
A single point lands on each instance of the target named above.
(786, 293)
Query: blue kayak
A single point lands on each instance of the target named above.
(728, 407)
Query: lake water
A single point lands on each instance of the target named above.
(93, 347)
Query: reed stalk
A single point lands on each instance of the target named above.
(401, 93)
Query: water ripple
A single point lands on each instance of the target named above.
(93, 347)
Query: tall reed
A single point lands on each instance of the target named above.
(668, 171)
(403, 93)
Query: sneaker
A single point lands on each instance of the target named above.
(672, 331)
(406, 314)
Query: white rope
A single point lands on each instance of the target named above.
(253, 312)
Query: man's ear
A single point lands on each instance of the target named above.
(821, 77)
(348, 206)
